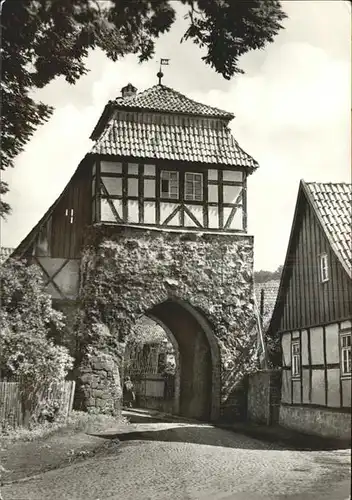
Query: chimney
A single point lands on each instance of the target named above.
(128, 91)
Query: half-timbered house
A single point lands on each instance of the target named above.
(313, 313)
(162, 167)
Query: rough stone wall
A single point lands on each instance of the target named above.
(317, 421)
(125, 272)
(263, 396)
(100, 383)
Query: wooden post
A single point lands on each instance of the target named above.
(261, 306)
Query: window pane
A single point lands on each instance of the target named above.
(169, 184)
(346, 340)
(324, 271)
(193, 186)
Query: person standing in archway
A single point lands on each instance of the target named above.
(129, 396)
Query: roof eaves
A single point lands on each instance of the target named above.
(101, 123)
(324, 229)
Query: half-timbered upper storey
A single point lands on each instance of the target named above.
(162, 159)
(159, 160)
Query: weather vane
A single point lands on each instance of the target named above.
(160, 74)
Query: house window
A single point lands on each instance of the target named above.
(193, 186)
(345, 344)
(296, 359)
(324, 268)
(169, 184)
(69, 213)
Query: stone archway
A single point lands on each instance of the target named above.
(197, 390)
(196, 283)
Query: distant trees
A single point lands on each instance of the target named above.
(264, 276)
(42, 40)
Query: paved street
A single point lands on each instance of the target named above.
(181, 461)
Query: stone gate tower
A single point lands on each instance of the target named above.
(154, 221)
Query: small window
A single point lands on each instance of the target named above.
(345, 344)
(324, 268)
(193, 186)
(69, 213)
(169, 184)
(296, 359)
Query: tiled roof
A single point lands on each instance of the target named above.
(271, 289)
(173, 142)
(5, 253)
(165, 99)
(333, 206)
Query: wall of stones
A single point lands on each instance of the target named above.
(263, 396)
(125, 272)
(317, 421)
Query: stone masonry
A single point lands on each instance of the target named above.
(127, 272)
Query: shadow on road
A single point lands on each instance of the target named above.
(166, 430)
(147, 427)
(197, 435)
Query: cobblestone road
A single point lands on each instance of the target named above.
(182, 461)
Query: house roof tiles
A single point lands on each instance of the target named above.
(271, 289)
(161, 123)
(173, 142)
(165, 99)
(333, 206)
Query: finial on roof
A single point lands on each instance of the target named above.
(160, 74)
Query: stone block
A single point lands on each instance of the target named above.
(98, 393)
(101, 403)
(86, 378)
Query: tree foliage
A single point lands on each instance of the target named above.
(26, 320)
(45, 39)
(264, 276)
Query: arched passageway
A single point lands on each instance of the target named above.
(197, 381)
(197, 286)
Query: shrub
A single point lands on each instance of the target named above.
(27, 318)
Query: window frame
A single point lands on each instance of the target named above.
(169, 195)
(193, 195)
(296, 371)
(324, 267)
(344, 334)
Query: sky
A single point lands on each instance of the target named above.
(292, 114)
